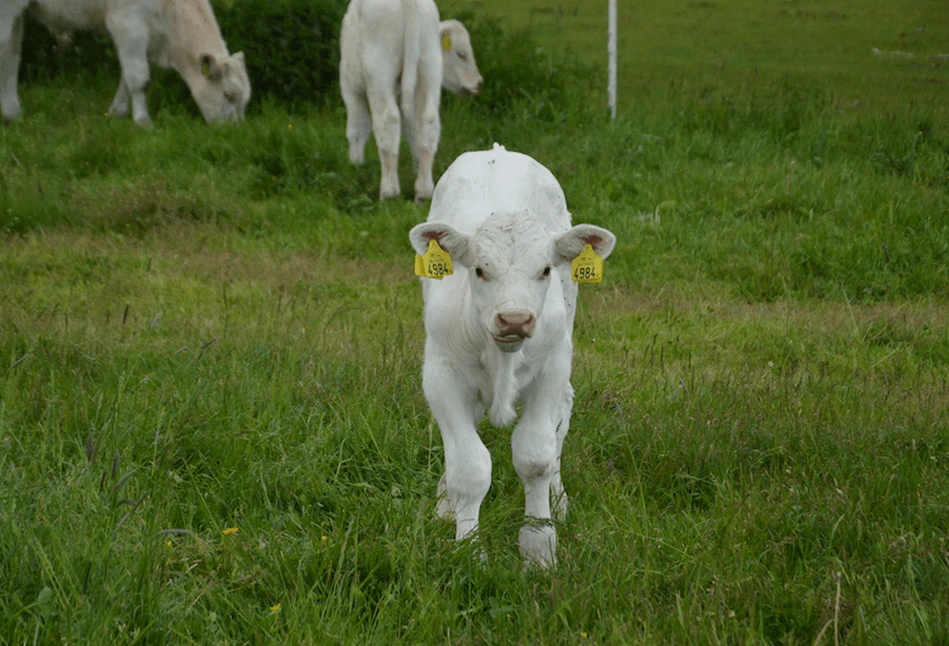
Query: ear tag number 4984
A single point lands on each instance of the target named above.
(587, 267)
(436, 263)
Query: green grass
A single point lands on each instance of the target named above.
(205, 328)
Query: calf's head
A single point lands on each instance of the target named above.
(222, 89)
(460, 73)
(511, 260)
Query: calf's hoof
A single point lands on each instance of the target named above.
(539, 546)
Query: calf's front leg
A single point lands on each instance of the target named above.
(467, 461)
(131, 44)
(536, 445)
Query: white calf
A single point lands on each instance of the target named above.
(181, 34)
(499, 331)
(381, 42)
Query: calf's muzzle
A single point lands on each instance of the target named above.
(515, 326)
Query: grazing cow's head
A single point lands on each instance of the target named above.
(222, 89)
(460, 73)
(511, 260)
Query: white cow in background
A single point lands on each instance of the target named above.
(499, 330)
(381, 43)
(181, 34)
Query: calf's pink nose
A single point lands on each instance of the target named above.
(521, 323)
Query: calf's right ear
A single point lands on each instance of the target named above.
(455, 243)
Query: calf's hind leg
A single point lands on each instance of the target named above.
(422, 130)
(358, 124)
(558, 497)
(386, 126)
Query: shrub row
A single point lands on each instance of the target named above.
(291, 48)
(292, 54)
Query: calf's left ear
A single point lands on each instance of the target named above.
(455, 243)
(570, 244)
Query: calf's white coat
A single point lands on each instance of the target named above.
(180, 34)
(394, 58)
(499, 330)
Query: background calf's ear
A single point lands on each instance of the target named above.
(210, 67)
(455, 243)
(570, 244)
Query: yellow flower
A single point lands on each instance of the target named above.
(323, 538)
(230, 530)
(168, 543)
(275, 608)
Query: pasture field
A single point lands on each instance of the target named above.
(211, 421)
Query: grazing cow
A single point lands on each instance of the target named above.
(181, 34)
(381, 42)
(499, 331)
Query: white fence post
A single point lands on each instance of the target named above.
(611, 49)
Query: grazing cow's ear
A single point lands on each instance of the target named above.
(210, 67)
(455, 243)
(570, 244)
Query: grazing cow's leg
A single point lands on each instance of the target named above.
(120, 104)
(467, 461)
(386, 126)
(358, 123)
(11, 41)
(535, 445)
(131, 44)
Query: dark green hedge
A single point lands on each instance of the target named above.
(291, 49)
(516, 69)
(292, 53)
(291, 46)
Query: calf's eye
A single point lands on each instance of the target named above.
(479, 273)
(546, 272)
(462, 56)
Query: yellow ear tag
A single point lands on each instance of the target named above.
(446, 43)
(587, 267)
(436, 263)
